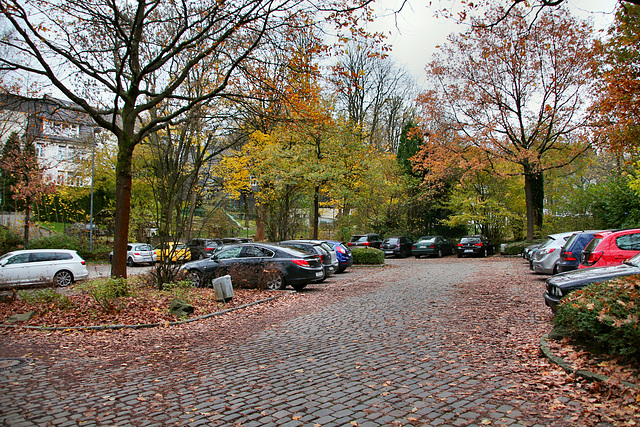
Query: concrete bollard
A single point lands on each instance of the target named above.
(223, 288)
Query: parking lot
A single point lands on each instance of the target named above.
(419, 342)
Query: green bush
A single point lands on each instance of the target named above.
(367, 256)
(604, 315)
(46, 298)
(81, 245)
(107, 292)
(9, 241)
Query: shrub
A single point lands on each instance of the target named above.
(80, 244)
(46, 298)
(367, 256)
(107, 292)
(9, 241)
(605, 315)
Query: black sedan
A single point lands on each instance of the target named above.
(257, 265)
(475, 245)
(433, 246)
(563, 283)
(399, 246)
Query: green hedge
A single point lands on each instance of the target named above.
(9, 241)
(604, 315)
(367, 256)
(81, 245)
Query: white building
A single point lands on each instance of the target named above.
(61, 134)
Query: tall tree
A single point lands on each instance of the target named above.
(515, 92)
(30, 182)
(618, 103)
(118, 60)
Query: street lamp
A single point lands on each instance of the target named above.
(93, 170)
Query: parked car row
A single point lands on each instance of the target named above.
(294, 263)
(435, 246)
(579, 258)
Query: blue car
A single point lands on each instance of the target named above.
(345, 258)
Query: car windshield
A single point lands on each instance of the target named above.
(360, 239)
(427, 239)
(391, 240)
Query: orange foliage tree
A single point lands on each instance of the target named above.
(513, 93)
(618, 104)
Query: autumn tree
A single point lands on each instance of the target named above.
(119, 60)
(29, 182)
(374, 92)
(513, 92)
(618, 105)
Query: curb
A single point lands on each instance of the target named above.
(566, 366)
(143, 325)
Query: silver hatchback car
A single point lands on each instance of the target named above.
(545, 259)
(139, 253)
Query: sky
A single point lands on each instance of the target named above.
(416, 31)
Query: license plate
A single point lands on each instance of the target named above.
(468, 250)
(319, 274)
(422, 246)
(388, 252)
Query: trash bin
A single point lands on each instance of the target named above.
(223, 288)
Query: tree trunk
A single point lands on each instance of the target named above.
(123, 207)
(27, 214)
(534, 197)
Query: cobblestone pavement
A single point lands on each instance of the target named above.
(380, 358)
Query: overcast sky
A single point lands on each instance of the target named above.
(415, 32)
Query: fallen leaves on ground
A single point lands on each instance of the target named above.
(144, 306)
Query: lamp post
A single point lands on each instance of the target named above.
(93, 169)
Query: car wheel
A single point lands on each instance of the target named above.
(63, 278)
(130, 262)
(276, 282)
(453, 251)
(555, 269)
(439, 253)
(195, 278)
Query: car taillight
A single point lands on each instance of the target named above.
(366, 243)
(478, 244)
(413, 247)
(83, 262)
(339, 249)
(568, 256)
(459, 244)
(136, 253)
(301, 262)
(432, 247)
(349, 244)
(594, 257)
(209, 249)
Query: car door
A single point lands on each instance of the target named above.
(223, 260)
(15, 269)
(626, 246)
(42, 266)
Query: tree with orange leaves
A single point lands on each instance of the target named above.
(512, 92)
(618, 104)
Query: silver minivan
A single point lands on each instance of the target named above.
(59, 267)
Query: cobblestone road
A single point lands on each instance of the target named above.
(380, 358)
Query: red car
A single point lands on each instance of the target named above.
(610, 248)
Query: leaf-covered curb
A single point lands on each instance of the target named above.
(566, 366)
(146, 325)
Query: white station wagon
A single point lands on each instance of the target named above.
(59, 267)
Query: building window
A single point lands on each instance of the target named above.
(39, 150)
(62, 152)
(50, 127)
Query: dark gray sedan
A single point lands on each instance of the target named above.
(563, 283)
(257, 265)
